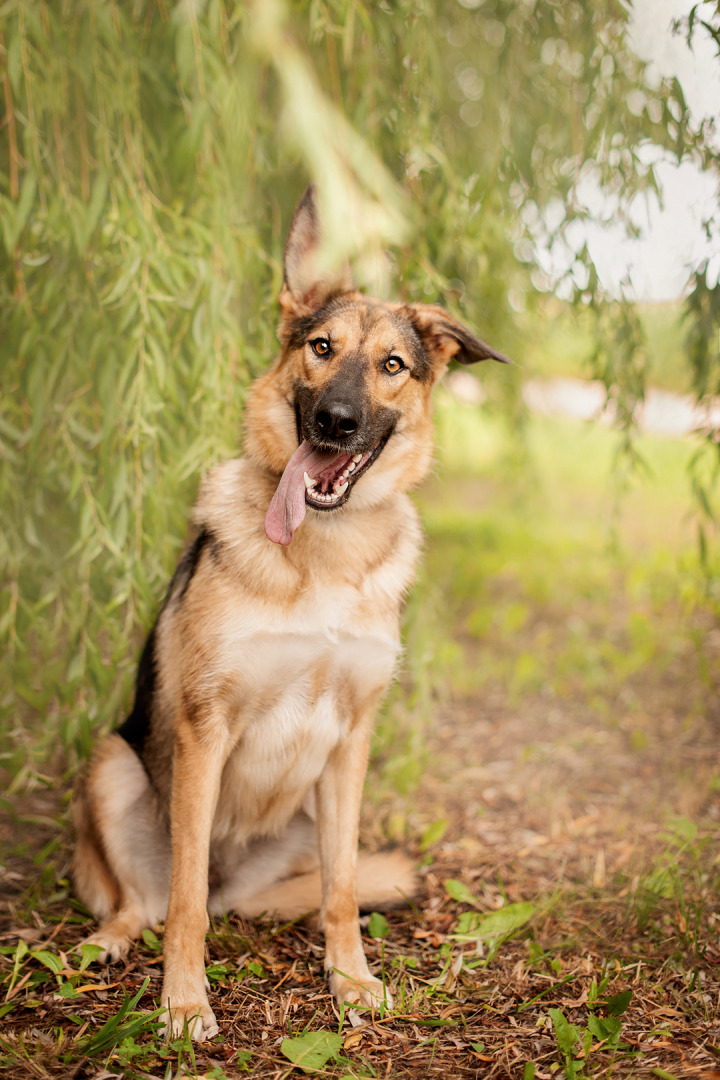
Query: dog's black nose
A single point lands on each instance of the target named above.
(337, 420)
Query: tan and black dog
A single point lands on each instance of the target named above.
(240, 770)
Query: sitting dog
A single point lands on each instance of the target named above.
(240, 768)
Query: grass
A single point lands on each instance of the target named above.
(567, 342)
(548, 754)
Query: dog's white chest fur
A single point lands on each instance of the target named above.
(299, 698)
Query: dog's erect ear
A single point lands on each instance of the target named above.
(309, 278)
(446, 339)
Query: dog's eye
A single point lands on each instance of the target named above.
(393, 364)
(320, 346)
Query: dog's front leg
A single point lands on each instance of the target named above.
(339, 792)
(197, 767)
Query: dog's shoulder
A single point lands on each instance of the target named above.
(230, 508)
(232, 496)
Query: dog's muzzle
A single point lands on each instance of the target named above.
(321, 479)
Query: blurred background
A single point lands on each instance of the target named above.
(549, 171)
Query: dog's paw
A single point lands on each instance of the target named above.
(115, 946)
(199, 1018)
(366, 990)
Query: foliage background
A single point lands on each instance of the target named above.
(150, 158)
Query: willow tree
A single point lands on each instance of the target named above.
(702, 308)
(149, 159)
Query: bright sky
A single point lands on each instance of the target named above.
(673, 238)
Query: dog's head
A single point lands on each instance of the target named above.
(345, 410)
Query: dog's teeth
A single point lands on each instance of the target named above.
(351, 467)
(309, 483)
(342, 489)
(357, 457)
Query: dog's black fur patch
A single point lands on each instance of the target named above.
(135, 728)
(188, 564)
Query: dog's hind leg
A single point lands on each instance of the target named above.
(281, 875)
(247, 872)
(122, 860)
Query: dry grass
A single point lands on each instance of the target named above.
(452, 1017)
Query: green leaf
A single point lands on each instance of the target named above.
(50, 960)
(89, 953)
(20, 951)
(312, 1050)
(460, 892)
(606, 1029)
(218, 972)
(496, 924)
(681, 830)
(617, 1005)
(433, 834)
(14, 62)
(243, 1058)
(566, 1033)
(16, 214)
(151, 940)
(466, 925)
(377, 926)
(98, 196)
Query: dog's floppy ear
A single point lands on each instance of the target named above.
(309, 279)
(446, 339)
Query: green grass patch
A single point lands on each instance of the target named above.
(568, 339)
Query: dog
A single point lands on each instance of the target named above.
(235, 783)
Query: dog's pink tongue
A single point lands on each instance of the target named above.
(287, 509)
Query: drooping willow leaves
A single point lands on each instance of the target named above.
(150, 157)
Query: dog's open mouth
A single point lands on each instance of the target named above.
(321, 479)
